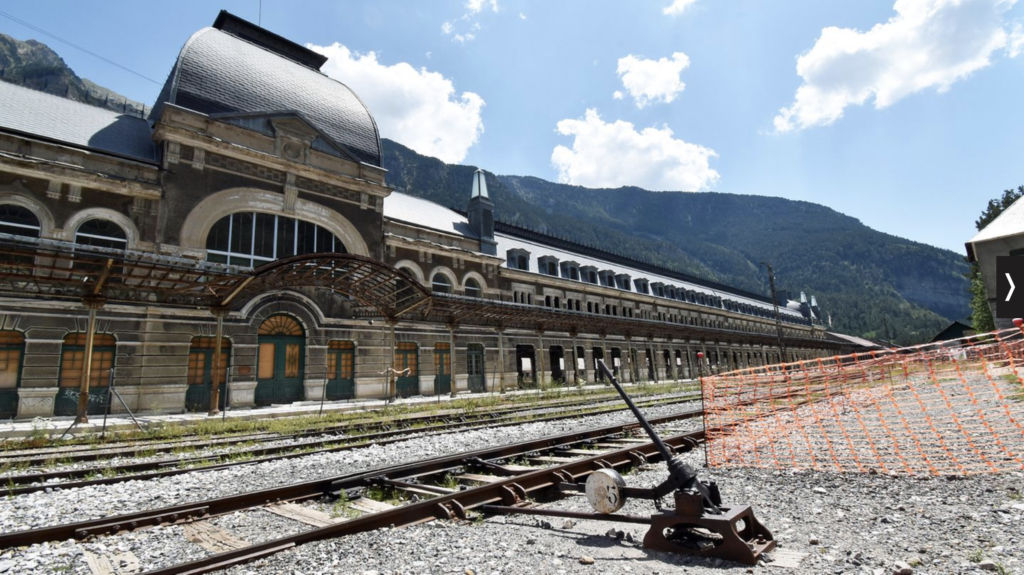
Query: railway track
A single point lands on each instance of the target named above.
(551, 460)
(361, 423)
(65, 452)
(153, 469)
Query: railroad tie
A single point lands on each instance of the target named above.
(367, 505)
(303, 514)
(121, 564)
(547, 459)
(583, 452)
(212, 538)
(476, 478)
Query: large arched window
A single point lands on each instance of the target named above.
(251, 239)
(18, 221)
(473, 288)
(440, 283)
(101, 233)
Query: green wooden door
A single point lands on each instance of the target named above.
(72, 365)
(475, 368)
(407, 357)
(12, 353)
(341, 369)
(200, 374)
(442, 369)
(280, 368)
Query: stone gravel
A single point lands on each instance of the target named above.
(847, 524)
(197, 449)
(59, 506)
(869, 524)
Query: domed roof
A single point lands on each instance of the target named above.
(221, 72)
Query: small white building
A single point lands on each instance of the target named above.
(1003, 236)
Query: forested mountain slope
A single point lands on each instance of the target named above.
(862, 277)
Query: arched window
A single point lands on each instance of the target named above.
(250, 239)
(18, 221)
(440, 283)
(473, 288)
(102, 234)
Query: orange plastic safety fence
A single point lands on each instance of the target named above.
(955, 407)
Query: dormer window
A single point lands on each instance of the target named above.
(517, 259)
(589, 274)
(607, 278)
(570, 271)
(622, 281)
(548, 265)
(658, 289)
(642, 286)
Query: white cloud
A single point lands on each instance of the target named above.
(1016, 41)
(522, 16)
(608, 155)
(463, 38)
(617, 95)
(446, 28)
(927, 44)
(418, 108)
(651, 81)
(678, 7)
(475, 6)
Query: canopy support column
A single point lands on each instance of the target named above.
(93, 303)
(219, 313)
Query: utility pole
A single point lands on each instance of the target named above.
(778, 316)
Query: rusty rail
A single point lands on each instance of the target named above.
(275, 453)
(508, 492)
(301, 491)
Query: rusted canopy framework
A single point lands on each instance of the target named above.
(62, 270)
(58, 270)
(461, 310)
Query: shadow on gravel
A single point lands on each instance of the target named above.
(635, 551)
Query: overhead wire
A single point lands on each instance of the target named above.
(77, 47)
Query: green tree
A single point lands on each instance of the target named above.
(981, 314)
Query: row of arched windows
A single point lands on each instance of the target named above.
(20, 221)
(246, 239)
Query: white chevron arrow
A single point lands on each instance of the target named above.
(1009, 279)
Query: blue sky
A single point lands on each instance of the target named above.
(904, 114)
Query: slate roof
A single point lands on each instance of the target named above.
(427, 214)
(220, 73)
(73, 123)
(854, 340)
(1008, 223)
(508, 242)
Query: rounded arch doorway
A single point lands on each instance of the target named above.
(280, 360)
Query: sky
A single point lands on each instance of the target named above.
(904, 114)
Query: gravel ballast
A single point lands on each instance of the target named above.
(59, 506)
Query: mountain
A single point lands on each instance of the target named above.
(868, 281)
(34, 65)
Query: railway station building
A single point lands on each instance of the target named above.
(250, 203)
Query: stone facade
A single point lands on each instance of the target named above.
(208, 169)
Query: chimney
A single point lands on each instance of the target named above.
(481, 214)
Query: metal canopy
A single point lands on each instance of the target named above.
(54, 269)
